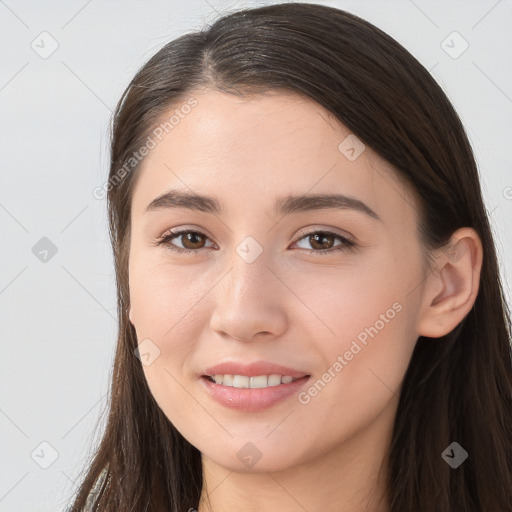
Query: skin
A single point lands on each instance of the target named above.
(287, 306)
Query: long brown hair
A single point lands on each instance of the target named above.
(457, 388)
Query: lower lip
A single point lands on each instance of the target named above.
(252, 399)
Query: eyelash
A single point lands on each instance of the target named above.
(345, 245)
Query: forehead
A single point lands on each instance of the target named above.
(249, 151)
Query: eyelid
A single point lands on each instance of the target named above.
(316, 229)
(184, 229)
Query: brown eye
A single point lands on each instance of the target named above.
(191, 241)
(324, 242)
(321, 241)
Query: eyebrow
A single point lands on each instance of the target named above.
(283, 206)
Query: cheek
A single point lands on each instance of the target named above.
(163, 298)
(347, 300)
(166, 302)
(364, 365)
(366, 337)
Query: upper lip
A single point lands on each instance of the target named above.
(252, 369)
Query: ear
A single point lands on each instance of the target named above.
(453, 284)
(130, 315)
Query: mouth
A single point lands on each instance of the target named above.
(251, 394)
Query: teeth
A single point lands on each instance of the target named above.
(274, 380)
(243, 381)
(240, 381)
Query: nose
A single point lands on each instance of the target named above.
(249, 301)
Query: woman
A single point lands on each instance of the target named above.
(310, 309)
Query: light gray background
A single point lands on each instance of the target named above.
(58, 318)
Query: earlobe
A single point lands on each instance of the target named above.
(452, 287)
(130, 315)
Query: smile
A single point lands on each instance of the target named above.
(237, 393)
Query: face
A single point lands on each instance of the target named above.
(327, 289)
